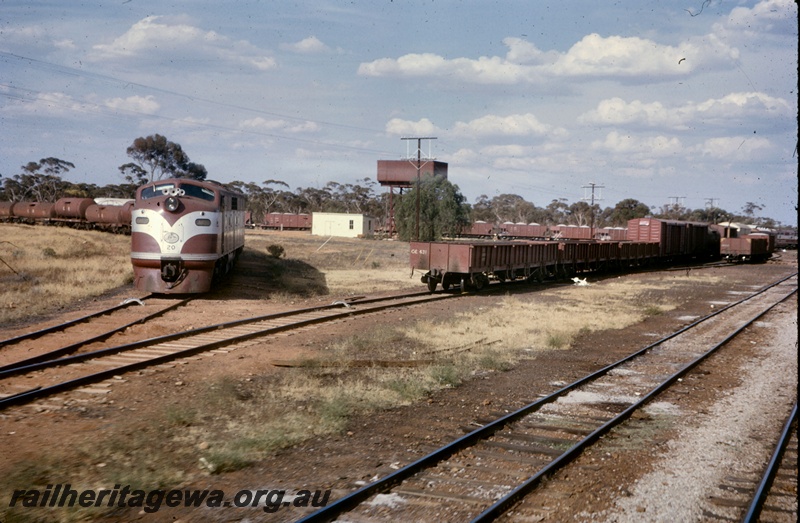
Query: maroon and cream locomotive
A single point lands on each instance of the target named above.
(185, 234)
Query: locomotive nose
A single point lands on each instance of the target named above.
(172, 204)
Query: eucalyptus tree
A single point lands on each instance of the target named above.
(154, 158)
(443, 211)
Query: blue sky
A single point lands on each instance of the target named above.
(660, 101)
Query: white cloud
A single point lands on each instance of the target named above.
(732, 108)
(51, 104)
(494, 70)
(507, 150)
(32, 35)
(768, 16)
(139, 104)
(309, 45)
(523, 52)
(595, 55)
(156, 39)
(616, 111)
(744, 105)
(515, 125)
(260, 124)
(735, 148)
(625, 144)
(592, 56)
(512, 125)
(423, 127)
(65, 44)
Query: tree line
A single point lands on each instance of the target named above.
(444, 210)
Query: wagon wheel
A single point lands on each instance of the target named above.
(446, 285)
(479, 280)
(431, 284)
(463, 285)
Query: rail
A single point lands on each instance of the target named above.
(762, 491)
(356, 498)
(203, 339)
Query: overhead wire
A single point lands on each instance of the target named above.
(31, 96)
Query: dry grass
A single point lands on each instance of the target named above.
(43, 268)
(321, 395)
(236, 421)
(349, 265)
(549, 321)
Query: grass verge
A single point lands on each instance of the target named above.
(45, 268)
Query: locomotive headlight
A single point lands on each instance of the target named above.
(171, 204)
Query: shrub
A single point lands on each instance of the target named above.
(652, 310)
(445, 375)
(276, 251)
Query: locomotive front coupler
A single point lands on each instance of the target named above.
(171, 270)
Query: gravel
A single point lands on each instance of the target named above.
(725, 440)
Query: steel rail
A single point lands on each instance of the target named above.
(350, 501)
(14, 368)
(70, 323)
(504, 503)
(762, 491)
(68, 349)
(39, 392)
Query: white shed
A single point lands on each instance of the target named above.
(343, 225)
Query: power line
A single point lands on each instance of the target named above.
(88, 107)
(72, 71)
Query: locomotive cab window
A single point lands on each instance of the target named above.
(184, 189)
(198, 192)
(157, 190)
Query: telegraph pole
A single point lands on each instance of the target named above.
(677, 200)
(592, 186)
(419, 167)
(711, 204)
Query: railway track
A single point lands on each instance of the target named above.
(71, 323)
(777, 488)
(68, 337)
(24, 381)
(481, 475)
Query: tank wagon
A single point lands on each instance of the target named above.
(185, 234)
(116, 218)
(34, 211)
(72, 208)
(80, 213)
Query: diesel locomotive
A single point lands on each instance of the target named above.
(185, 234)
